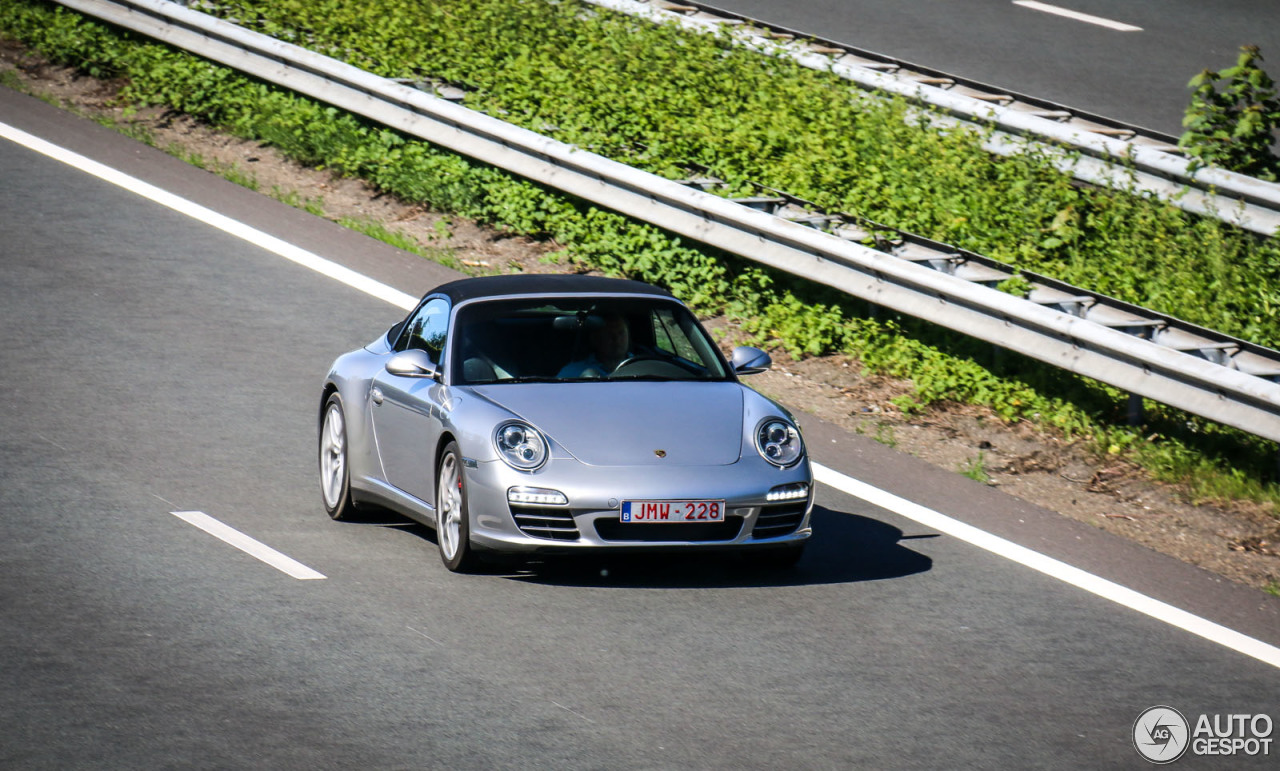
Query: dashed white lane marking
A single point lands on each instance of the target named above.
(1050, 566)
(1110, 590)
(250, 546)
(1077, 16)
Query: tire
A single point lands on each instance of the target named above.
(335, 473)
(453, 523)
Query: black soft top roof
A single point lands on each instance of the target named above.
(498, 286)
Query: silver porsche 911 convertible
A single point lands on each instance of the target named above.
(528, 415)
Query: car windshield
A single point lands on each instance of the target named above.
(581, 339)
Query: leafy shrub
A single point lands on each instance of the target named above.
(659, 97)
(1235, 127)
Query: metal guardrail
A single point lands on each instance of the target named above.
(1156, 356)
(1143, 323)
(1157, 164)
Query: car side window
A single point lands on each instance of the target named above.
(427, 330)
(670, 337)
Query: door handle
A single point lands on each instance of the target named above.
(375, 393)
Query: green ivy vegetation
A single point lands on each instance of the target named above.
(658, 97)
(1213, 461)
(1234, 116)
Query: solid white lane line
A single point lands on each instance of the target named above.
(250, 546)
(1077, 16)
(209, 217)
(1110, 590)
(984, 540)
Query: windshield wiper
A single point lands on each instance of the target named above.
(520, 379)
(650, 378)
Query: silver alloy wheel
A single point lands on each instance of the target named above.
(333, 456)
(449, 509)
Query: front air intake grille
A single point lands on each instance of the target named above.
(661, 532)
(542, 522)
(779, 519)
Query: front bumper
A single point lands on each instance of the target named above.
(591, 518)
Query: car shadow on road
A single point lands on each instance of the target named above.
(845, 548)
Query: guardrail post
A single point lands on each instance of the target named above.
(1136, 410)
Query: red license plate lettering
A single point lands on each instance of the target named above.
(653, 511)
(702, 511)
(673, 511)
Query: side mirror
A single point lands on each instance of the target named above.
(413, 363)
(748, 361)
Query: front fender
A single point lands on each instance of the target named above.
(473, 420)
(350, 377)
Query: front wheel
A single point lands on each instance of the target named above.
(335, 477)
(453, 525)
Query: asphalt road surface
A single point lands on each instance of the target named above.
(152, 364)
(1136, 76)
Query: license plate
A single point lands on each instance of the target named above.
(672, 511)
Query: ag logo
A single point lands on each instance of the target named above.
(1160, 734)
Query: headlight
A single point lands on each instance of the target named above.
(536, 496)
(779, 442)
(520, 445)
(795, 492)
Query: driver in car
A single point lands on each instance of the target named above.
(610, 346)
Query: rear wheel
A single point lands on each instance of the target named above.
(453, 525)
(335, 482)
